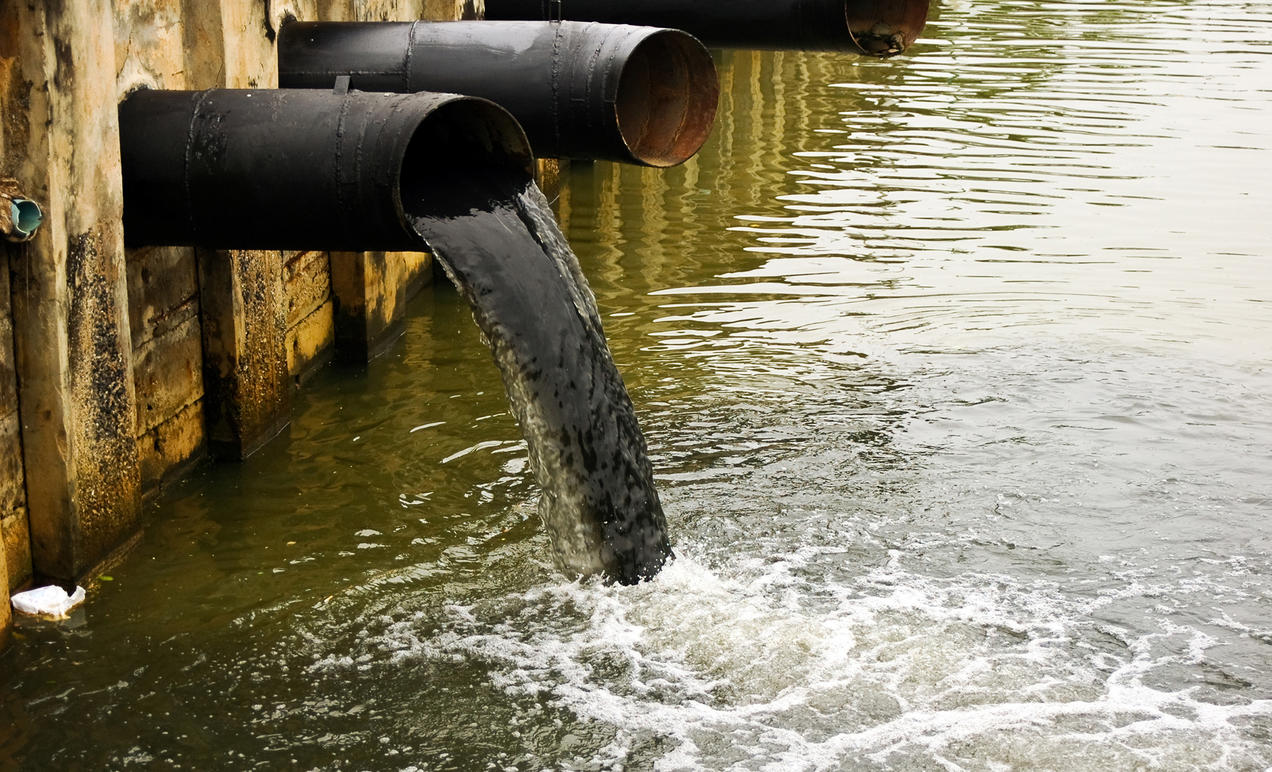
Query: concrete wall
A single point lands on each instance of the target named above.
(121, 368)
(15, 537)
(72, 349)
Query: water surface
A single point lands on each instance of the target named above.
(954, 369)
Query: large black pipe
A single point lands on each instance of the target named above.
(875, 27)
(299, 169)
(622, 93)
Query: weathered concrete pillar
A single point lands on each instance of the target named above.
(163, 315)
(371, 290)
(247, 390)
(310, 329)
(12, 482)
(6, 610)
(15, 538)
(243, 307)
(73, 353)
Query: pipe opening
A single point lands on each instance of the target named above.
(461, 143)
(329, 171)
(885, 27)
(666, 101)
(27, 216)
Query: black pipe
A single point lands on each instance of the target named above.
(299, 169)
(875, 27)
(622, 93)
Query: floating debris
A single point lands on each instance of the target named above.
(50, 602)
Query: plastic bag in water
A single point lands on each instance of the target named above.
(51, 602)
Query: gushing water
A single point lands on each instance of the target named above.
(500, 245)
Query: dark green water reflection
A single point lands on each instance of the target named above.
(955, 373)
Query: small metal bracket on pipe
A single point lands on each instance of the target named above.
(20, 217)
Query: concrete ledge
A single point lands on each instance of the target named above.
(162, 283)
(172, 448)
(370, 292)
(247, 388)
(310, 320)
(311, 342)
(168, 371)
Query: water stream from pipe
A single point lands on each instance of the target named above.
(498, 241)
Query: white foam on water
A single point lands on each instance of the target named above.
(742, 666)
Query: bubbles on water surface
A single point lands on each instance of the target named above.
(708, 668)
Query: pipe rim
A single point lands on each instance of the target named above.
(27, 215)
(463, 135)
(884, 27)
(666, 100)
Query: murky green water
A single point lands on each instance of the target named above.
(955, 369)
